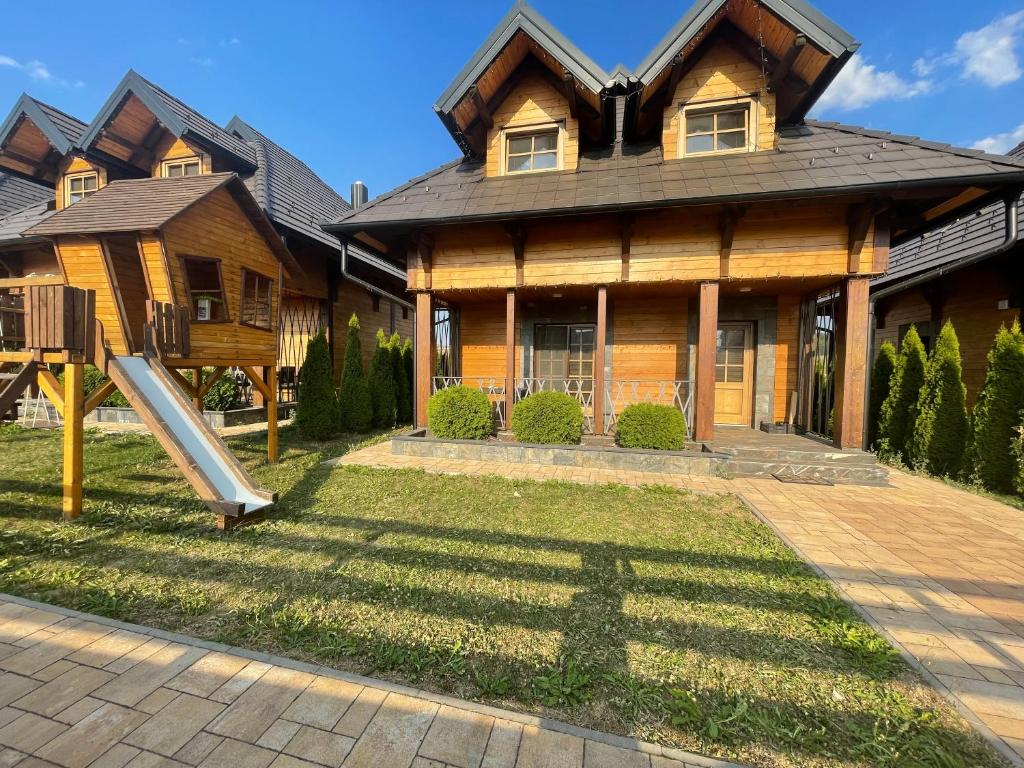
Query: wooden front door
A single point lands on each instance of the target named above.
(734, 373)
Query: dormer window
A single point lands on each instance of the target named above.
(79, 186)
(718, 128)
(187, 166)
(533, 150)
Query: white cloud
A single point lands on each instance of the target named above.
(987, 54)
(204, 61)
(1001, 143)
(861, 84)
(39, 72)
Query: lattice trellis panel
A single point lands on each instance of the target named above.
(301, 318)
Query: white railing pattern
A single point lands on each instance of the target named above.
(618, 394)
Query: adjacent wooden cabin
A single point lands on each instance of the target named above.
(143, 137)
(679, 233)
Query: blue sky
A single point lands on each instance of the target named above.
(349, 87)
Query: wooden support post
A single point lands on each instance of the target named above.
(424, 354)
(258, 400)
(270, 379)
(707, 340)
(74, 417)
(197, 386)
(851, 364)
(600, 333)
(510, 353)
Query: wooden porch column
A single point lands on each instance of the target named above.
(270, 379)
(600, 333)
(851, 364)
(197, 386)
(707, 334)
(510, 353)
(424, 354)
(74, 415)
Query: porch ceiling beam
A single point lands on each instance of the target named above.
(120, 140)
(483, 111)
(144, 154)
(785, 66)
(859, 219)
(38, 163)
(728, 220)
(626, 223)
(517, 232)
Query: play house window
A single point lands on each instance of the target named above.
(525, 152)
(189, 166)
(257, 299)
(717, 129)
(80, 186)
(205, 289)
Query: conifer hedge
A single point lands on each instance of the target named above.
(899, 411)
(355, 405)
(403, 390)
(317, 413)
(881, 383)
(382, 384)
(941, 427)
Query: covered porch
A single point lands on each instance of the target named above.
(774, 355)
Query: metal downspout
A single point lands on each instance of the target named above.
(368, 286)
(1010, 230)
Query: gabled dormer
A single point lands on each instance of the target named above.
(35, 138)
(730, 72)
(143, 128)
(527, 99)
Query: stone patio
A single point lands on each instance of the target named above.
(79, 690)
(939, 571)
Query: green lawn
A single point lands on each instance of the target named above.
(649, 612)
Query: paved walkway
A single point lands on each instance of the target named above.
(79, 690)
(939, 571)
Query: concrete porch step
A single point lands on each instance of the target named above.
(858, 473)
(800, 456)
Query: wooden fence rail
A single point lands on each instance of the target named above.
(12, 321)
(59, 318)
(168, 329)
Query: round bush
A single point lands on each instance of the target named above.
(549, 418)
(460, 413)
(224, 395)
(645, 425)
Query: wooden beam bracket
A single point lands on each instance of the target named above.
(52, 388)
(785, 66)
(569, 89)
(517, 232)
(727, 223)
(482, 110)
(859, 218)
(97, 396)
(626, 224)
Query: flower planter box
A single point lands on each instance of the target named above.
(696, 461)
(216, 419)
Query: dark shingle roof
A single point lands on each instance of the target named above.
(969, 235)
(14, 224)
(61, 129)
(812, 158)
(287, 189)
(17, 192)
(176, 116)
(71, 127)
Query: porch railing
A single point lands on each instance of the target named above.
(618, 394)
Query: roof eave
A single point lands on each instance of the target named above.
(27, 106)
(134, 84)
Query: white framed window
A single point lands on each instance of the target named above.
(78, 186)
(718, 128)
(532, 149)
(185, 166)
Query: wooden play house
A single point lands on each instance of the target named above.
(184, 273)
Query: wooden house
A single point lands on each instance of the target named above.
(144, 135)
(678, 233)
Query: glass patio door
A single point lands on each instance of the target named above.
(564, 353)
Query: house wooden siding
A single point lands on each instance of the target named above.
(83, 263)
(216, 227)
(722, 74)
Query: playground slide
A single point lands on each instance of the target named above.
(194, 446)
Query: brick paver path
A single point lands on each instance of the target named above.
(938, 570)
(79, 690)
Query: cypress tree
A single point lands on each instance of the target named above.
(403, 394)
(899, 411)
(317, 412)
(382, 384)
(881, 383)
(997, 414)
(940, 432)
(410, 368)
(356, 409)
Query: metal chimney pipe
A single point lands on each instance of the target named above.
(359, 194)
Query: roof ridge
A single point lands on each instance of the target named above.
(402, 187)
(915, 141)
(58, 110)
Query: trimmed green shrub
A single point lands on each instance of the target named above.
(899, 411)
(382, 384)
(403, 392)
(940, 432)
(93, 379)
(997, 413)
(354, 403)
(881, 383)
(410, 372)
(317, 413)
(460, 413)
(646, 425)
(225, 393)
(1018, 459)
(549, 418)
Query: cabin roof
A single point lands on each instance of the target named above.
(812, 158)
(142, 205)
(288, 189)
(17, 192)
(61, 129)
(173, 114)
(13, 225)
(968, 235)
(523, 18)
